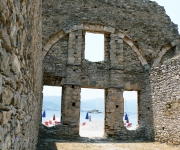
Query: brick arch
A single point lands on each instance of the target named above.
(96, 28)
(164, 49)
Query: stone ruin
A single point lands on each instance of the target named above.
(44, 44)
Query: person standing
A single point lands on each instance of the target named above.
(89, 118)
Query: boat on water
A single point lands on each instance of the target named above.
(95, 111)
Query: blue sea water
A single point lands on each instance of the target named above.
(94, 117)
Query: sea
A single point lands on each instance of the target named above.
(94, 117)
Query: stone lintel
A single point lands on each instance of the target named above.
(72, 64)
(70, 83)
(117, 87)
(116, 68)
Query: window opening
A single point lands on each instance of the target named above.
(51, 108)
(130, 110)
(94, 47)
(73, 104)
(92, 113)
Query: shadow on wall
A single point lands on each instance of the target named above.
(44, 145)
(145, 109)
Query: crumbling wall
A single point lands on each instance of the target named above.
(121, 70)
(138, 35)
(144, 21)
(20, 73)
(165, 80)
(54, 65)
(169, 54)
(95, 74)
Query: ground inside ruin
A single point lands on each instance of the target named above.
(100, 144)
(92, 138)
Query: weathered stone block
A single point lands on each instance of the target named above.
(6, 116)
(15, 64)
(16, 99)
(4, 66)
(6, 39)
(7, 96)
(1, 117)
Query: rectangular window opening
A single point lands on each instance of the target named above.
(94, 47)
(51, 108)
(92, 113)
(130, 110)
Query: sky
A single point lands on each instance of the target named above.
(87, 93)
(172, 8)
(94, 41)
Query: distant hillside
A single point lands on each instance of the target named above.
(54, 103)
(97, 103)
(130, 106)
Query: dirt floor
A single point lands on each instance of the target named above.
(92, 138)
(100, 144)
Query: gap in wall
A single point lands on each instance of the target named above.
(131, 109)
(94, 47)
(51, 105)
(92, 102)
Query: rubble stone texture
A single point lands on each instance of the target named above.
(165, 83)
(20, 73)
(140, 41)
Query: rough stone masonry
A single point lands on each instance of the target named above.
(20, 73)
(141, 44)
(138, 36)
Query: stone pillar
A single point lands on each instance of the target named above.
(114, 102)
(70, 108)
(71, 90)
(116, 62)
(116, 52)
(75, 47)
(106, 47)
(114, 111)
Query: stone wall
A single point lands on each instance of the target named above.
(138, 36)
(166, 101)
(55, 63)
(121, 70)
(20, 73)
(144, 21)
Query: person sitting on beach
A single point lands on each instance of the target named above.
(89, 118)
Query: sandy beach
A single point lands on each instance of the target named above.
(92, 129)
(95, 129)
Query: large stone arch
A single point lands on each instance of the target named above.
(161, 53)
(95, 28)
(112, 75)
